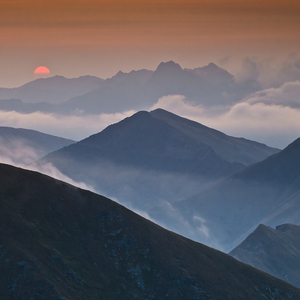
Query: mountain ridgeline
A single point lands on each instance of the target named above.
(61, 242)
(137, 90)
(275, 251)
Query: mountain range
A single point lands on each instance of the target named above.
(275, 251)
(61, 242)
(53, 90)
(137, 90)
(153, 159)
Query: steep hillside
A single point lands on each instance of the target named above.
(275, 251)
(60, 242)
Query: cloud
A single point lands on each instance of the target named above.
(268, 72)
(200, 225)
(50, 170)
(17, 152)
(261, 117)
(287, 95)
(250, 70)
(74, 127)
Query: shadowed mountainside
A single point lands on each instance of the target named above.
(266, 192)
(61, 242)
(275, 251)
(155, 156)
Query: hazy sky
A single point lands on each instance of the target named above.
(100, 37)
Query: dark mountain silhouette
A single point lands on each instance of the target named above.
(275, 251)
(155, 158)
(142, 157)
(23, 146)
(136, 90)
(266, 192)
(61, 242)
(53, 90)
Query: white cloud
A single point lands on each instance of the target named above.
(269, 72)
(287, 95)
(258, 118)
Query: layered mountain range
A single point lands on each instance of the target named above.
(61, 242)
(53, 90)
(154, 159)
(266, 192)
(137, 90)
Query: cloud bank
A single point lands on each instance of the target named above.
(271, 116)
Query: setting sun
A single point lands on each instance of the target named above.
(41, 70)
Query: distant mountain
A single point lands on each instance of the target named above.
(61, 242)
(141, 75)
(213, 74)
(53, 90)
(142, 157)
(18, 105)
(136, 90)
(156, 158)
(275, 251)
(266, 192)
(23, 146)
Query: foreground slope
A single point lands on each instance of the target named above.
(275, 251)
(266, 192)
(61, 242)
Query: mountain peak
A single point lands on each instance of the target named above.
(168, 66)
(295, 145)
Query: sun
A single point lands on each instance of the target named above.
(41, 71)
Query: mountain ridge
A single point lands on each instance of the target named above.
(275, 251)
(61, 242)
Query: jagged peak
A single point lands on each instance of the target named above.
(169, 66)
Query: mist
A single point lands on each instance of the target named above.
(20, 155)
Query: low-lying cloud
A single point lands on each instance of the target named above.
(20, 155)
(270, 73)
(270, 116)
(74, 127)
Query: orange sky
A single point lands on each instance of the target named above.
(74, 38)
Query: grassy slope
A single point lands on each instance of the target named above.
(60, 241)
